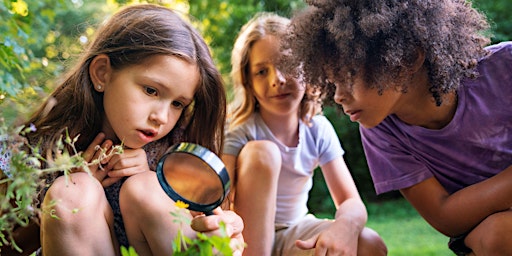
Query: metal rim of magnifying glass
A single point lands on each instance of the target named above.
(207, 156)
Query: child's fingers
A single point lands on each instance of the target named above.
(306, 244)
(109, 181)
(102, 152)
(129, 163)
(237, 243)
(91, 149)
(234, 223)
(107, 152)
(124, 172)
(203, 223)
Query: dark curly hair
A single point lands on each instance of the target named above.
(380, 39)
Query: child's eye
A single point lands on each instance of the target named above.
(261, 72)
(178, 104)
(150, 90)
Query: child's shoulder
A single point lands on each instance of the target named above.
(319, 124)
(249, 125)
(500, 50)
(506, 45)
(319, 120)
(498, 60)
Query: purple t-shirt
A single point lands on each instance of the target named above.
(474, 146)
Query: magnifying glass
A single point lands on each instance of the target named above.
(195, 175)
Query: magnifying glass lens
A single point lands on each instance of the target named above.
(194, 175)
(192, 178)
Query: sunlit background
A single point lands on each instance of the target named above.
(39, 38)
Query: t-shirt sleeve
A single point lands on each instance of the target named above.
(391, 165)
(235, 140)
(328, 142)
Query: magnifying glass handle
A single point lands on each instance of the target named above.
(208, 213)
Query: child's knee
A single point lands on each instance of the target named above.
(136, 188)
(142, 193)
(261, 152)
(77, 197)
(370, 243)
(492, 236)
(70, 190)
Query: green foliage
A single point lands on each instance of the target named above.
(498, 13)
(202, 245)
(17, 193)
(26, 24)
(128, 251)
(35, 44)
(20, 184)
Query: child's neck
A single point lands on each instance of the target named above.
(419, 107)
(285, 128)
(442, 115)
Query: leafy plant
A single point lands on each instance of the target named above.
(203, 245)
(128, 251)
(20, 181)
(19, 184)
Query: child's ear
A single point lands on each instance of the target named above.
(417, 61)
(100, 70)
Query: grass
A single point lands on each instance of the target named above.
(404, 231)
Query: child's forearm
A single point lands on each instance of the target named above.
(461, 211)
(352, 211)
(491, 195)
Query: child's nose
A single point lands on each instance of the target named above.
(279, 78)
(340, 95)
(160, 114)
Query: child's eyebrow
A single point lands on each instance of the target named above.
(261, 64)
(166, 86)
(186, 100)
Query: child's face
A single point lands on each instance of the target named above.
(144, 102)
(365, 105)
(277, 93)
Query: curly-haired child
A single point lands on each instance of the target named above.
(433, 103)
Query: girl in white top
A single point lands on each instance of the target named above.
(275, 141)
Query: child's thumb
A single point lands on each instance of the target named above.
(306, 244)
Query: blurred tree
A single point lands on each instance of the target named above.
(498, 13)
(38, 38)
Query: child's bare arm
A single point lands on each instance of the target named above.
(459, 212)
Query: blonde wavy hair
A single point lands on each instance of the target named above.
(244, 103)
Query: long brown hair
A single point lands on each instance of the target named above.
(129, 37)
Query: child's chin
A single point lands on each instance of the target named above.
(366, 125)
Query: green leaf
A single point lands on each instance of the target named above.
(128, 252)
